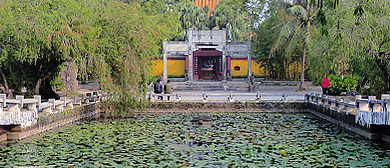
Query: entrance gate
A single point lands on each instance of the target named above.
(209, 68)
(207, 54)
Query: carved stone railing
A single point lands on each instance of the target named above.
(367, 111)
(24, 112)
(229, 97)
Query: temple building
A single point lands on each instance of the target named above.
(206, 55)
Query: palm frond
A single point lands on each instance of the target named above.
(298, 10)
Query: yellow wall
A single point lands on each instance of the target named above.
(243, 64)
(175, 67)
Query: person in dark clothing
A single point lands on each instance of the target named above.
(168, 89)
(158, 88)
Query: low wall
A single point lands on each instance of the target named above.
(46, 122)
(162, 108)
(349, 119)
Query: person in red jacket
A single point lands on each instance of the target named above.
(324, 85)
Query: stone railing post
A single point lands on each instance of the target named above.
(324, 99)
(284, 97)
(52, 103)
(20, 98)
(39, 99)
(258, 96)
(3, 98)
(231, 97)
(386, 105)
(205, 97)
(64, 100)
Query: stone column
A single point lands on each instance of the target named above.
(165, 65)
(224, 55)
(249, 60)
(223, 64)
(190, 56)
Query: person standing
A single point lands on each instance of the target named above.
(168, 88)
(324, 85)
(158, 88)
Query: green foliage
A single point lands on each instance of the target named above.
(276, 63)
(233, 15)
(359, 38)
(112, 42)
(337, 84)
(36, 39)
(192, 16)
(84, 82)
(175, 76)
(296, 31)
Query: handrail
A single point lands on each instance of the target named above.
(37, 104)
(369, 111)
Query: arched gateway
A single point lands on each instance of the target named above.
(207, 54)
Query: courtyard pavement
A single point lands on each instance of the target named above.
(267, 93)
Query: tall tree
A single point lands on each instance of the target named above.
(362, 31)
(36, 39)
(192, 16)
(114, 41)
(297, 30)
(234, 15)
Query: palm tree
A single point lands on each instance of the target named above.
(296, 30)
(192, 16)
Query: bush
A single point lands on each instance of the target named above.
(338, 84)
(84, 82)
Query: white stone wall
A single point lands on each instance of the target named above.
(25, 118)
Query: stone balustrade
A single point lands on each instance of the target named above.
(209, 96)
(368, 111)
(24, 112)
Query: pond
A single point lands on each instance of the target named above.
(234, 139)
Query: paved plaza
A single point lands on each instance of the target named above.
(267, 92)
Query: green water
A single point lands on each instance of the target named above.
(234, 140)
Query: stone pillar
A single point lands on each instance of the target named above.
(249, 60)
(224, 38)
(165, 65)
(223, 65)
(190, 57)
(3, 98)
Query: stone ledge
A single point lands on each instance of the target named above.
(365, 134)
(3, 137)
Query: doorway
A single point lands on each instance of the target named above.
(210, 67)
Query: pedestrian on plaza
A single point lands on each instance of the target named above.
(158, 88)
(168, 88)
(325, 85)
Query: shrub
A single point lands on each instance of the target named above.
(338, 84)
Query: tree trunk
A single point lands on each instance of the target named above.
(301, 85)
(46, 91)
(385, 71)
(37, 87)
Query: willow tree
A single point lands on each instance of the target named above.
(36, 39)
(128, 37)
(112, 41)
(362, 33)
